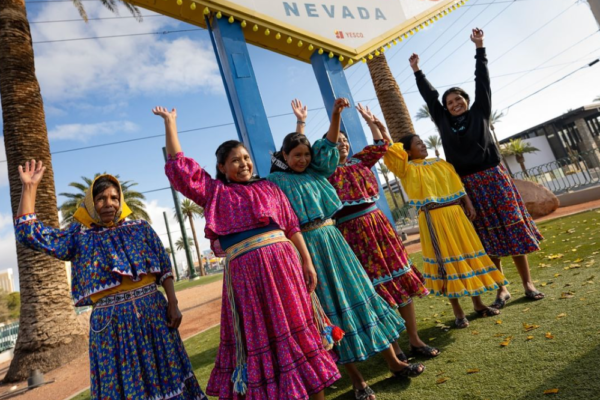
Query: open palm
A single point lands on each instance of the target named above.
(32, 172)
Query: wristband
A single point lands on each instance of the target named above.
(300, 122)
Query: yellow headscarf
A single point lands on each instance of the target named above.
(86, 213)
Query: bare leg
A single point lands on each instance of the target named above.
(408, 313)
(523, 267)
(358, 382)
(482, 309)
(318, 396)
(459, 314)
(503, 292)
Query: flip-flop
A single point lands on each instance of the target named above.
(410, 371)
(488, 312)
(461, 323)
(364, 393)
(533, 295)
(426, 351)
(500, 302)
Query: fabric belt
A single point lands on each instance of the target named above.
(124, 297)
(434, 240)
(357, 214)
(316, 224)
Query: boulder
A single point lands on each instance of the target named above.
(538, 200)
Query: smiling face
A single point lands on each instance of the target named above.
(107, 203)
(238, 166)
(456, 104)
(418, 149)
(343, 147)
(298, 159)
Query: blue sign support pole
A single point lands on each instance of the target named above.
(242, 91)
(333, 84)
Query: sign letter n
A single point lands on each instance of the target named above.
(291, 9)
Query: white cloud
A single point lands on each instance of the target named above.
(83, 132)
(119, 66)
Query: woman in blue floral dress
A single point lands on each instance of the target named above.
(135, 349)
(344, 289)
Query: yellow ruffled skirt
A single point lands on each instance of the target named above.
(469, 270)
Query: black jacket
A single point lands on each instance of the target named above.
(467, 142)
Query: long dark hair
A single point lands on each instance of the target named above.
(458, 91)
(222, 153)
(102, 184)
(406, 142)
(290, 142)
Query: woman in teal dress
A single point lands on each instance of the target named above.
(344, 289)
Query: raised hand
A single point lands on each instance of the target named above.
(300, 111)
(382, 129)
(165, 113)
(477, 37)
(339, 105)
(32, 172)
(414, 62)
(366, 113)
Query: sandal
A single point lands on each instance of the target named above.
(364, 393)
(534, 295)
(500, 302)
(410, 371)
(426, 351)
(488, 312)
(402, 357)
(461, 323)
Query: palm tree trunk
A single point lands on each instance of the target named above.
(400, 190)
(390, 98)
(49, 333)
(498, 146)
(437, 153)
(191, 219)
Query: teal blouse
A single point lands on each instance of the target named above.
(310, 193)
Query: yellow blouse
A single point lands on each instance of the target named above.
(126, 285)
(425, 181)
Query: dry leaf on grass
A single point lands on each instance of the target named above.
(440, 373)
(551, 391)
(499, 322)
(530, 327)
(567, 295)
(529, 337)
(561, 315)
(442, 380)
(474, 333)
(506, 341)
(473, 371)
(555, 256)
(549, 335)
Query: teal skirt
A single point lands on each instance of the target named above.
(349, 299)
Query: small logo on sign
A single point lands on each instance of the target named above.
(339, 34)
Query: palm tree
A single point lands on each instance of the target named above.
(180, 245)
(518, 148)
(424, 113)
(433, 143)
(49, 333)
(133, 199)
(597, 98)
(390, 98)
(495, 118)
(190, 210)
(384, 170)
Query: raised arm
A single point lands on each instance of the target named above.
(336, 119)
(31, 174)
(370, 119)
(301, 113)
(428, 92)
(172, 139)
(483, 91)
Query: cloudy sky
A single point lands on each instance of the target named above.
(100, 91)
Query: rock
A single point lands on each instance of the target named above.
(538, 200)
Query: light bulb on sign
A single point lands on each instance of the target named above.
(206, 11)
(179, 2)
(193, 6)
(288, 40)
(311, 47)
(255, 28)
(278, 36)
(330, 54)
(300, 44)
(267, 32)
(377, 52)
(370, 56)
(231, 20)
(243, 24)
(219, 15)
(350, 61)
(364, 60)
(341, 58)
(320, 51)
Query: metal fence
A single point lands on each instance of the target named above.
(8, 336)
(405, 217)
(566, 174)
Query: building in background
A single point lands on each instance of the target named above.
(576, 132)
(6, 280)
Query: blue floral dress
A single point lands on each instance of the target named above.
(344, 289)
(133, 354)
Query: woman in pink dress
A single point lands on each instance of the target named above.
(270, 347)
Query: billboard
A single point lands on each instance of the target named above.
(350, 30)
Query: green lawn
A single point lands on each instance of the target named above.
(559, 352)
(186, 284)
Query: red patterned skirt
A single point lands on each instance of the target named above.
(503, 223)
(383, 256)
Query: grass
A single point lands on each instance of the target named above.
(567, 360)
(204, 280)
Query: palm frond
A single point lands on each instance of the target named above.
(423, 113)
(80, 9)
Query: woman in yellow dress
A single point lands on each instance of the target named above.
(454, 261)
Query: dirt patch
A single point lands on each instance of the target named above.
(201, 309)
